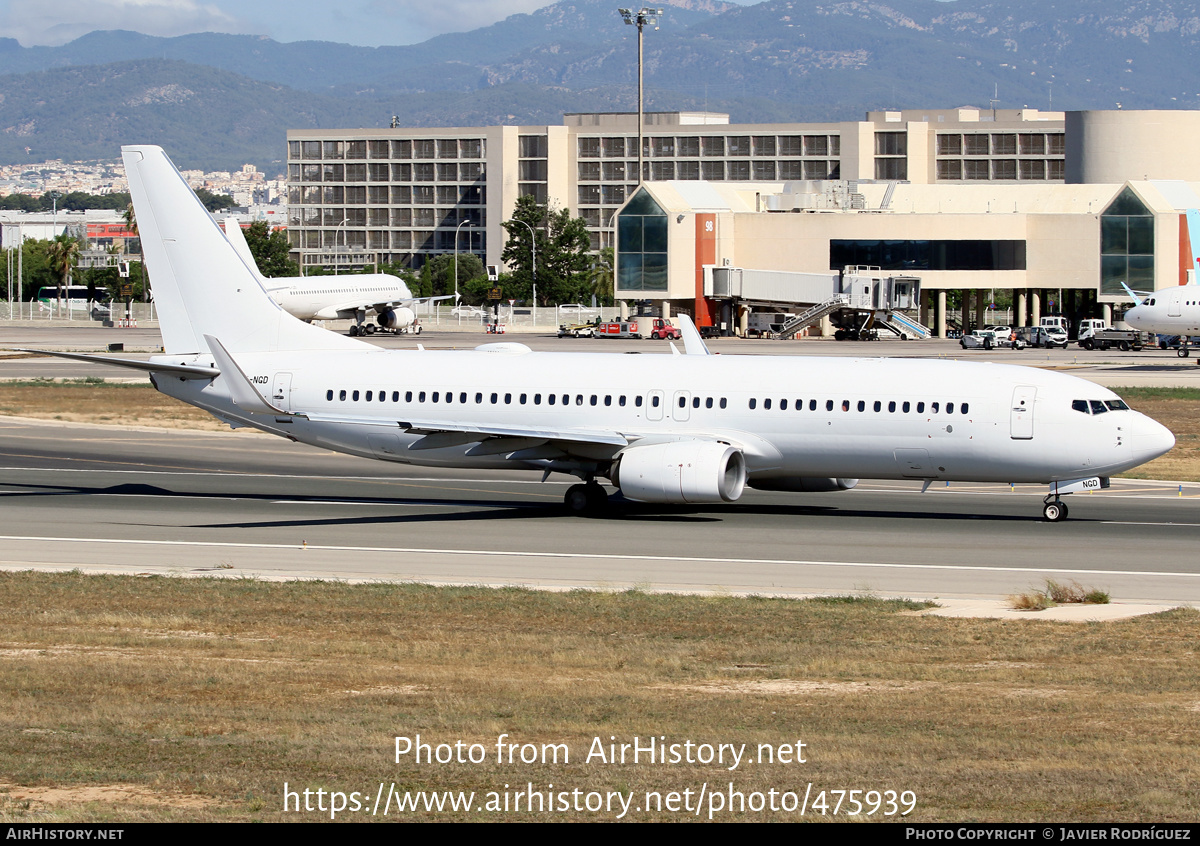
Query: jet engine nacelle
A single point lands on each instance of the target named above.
(681, 471)
(806, 484)
(396, 318)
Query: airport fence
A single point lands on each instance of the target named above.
(39, 312)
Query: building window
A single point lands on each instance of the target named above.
(949, 145)
(642, 245)
(1126, 245)
(928, 255)
(713, 146)
(532, 147)
(1004, 169)
(589, 148)
(894, 169)
(949, 169)
(891, 144)
(816, 145)
(975, 145)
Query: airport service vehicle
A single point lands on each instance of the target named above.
(617, 329)
(1055, 320)
(75, 298)
(661, 330)
(577, 330)
(1095, 334)
(680, 428)
(987, 339)
(765, 324)
(1043, 336)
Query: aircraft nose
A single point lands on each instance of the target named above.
(1150, 438)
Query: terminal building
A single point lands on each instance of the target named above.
(1062, 209)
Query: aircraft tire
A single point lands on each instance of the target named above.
(577, 500)
(353, 331)
(1055, 512)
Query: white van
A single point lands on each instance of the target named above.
(75, 299)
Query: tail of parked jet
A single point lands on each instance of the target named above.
(201, 285)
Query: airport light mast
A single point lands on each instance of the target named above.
(643, 17)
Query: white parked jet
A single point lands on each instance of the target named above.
(347, 297)
(691, 428)
(1170, 311)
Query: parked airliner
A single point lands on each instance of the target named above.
(663, 428)
(344, 297)
(1170, 311)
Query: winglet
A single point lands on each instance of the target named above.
(693, 344)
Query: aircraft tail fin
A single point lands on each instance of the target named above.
(202, 286)
(235, 236)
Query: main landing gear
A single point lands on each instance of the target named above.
(1054, 509)
(589, 498)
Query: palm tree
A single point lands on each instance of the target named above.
(600, 276)
(63, 254)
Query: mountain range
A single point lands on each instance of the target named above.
(216, 101)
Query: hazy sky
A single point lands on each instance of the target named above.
(364, 22)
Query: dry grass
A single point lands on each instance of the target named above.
(96, 401)
(163, 699)
(1058, 593)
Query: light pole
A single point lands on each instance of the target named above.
(533, 249)
(456, 231)
(641, 18)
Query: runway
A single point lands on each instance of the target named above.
(167, 502)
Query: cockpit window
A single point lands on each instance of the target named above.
(1116, 405)
(1098, 407)
(1080, 405)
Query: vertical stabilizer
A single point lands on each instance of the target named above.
(201, 285)
(235, 236)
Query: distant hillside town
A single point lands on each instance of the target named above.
(247, 186)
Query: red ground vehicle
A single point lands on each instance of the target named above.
(618, 329)
(662, 329)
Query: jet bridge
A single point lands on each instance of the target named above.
(859, 296)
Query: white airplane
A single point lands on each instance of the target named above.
(667, 428)
(1169, 311)
(347, 297)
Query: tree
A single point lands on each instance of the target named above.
(437, 275)
(215, 202)
(600, 276)
(271, 250)
(562, 254)
(63, 254)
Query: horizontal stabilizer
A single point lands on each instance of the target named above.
(184, 371)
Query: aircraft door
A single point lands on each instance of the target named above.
(1175, 304)
(1021, 415)
(654, 405)
(281, 391)
(681, 406)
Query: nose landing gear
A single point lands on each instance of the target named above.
(1054, 510)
